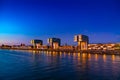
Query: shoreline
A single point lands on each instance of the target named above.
(109, 52)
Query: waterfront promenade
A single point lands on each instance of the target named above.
(109, 52)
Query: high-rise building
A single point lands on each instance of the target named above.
(36, 43)
(82, 40)
(54, 42)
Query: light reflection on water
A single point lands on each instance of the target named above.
(39, 65)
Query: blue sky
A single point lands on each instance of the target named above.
(22, 20)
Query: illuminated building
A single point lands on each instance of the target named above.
(82, 40)
(66, 47)
(100, 46)
(54, 42)
(36, 43)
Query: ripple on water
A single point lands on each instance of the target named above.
(18, 65)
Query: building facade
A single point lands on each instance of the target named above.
(82, 41)
(54, 42)
(100, 46)
(36, 43)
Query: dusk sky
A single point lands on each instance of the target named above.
(23, 20)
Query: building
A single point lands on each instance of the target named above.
(54, 42)
(67, 47)
(36, 43)
(82, 41)
(100, 46)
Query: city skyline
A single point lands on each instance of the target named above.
(23, 20)
(27, 41)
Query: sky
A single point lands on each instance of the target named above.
(23, 20)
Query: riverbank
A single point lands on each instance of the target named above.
(110, 52)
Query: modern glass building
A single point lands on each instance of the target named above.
(82, 40)
(36, 43)
(54, 42)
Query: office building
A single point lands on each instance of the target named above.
(37, 43)
(54, 42)
(82, 41)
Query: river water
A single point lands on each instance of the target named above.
(31, 65)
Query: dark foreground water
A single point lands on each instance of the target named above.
(24, 65)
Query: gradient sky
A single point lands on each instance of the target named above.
(23, 20)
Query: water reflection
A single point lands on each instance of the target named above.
(113, 57)
(96, 57)
(89, 56)
(104, 57)
(39, 65)
(78, 56)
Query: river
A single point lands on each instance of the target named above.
(31, 65)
